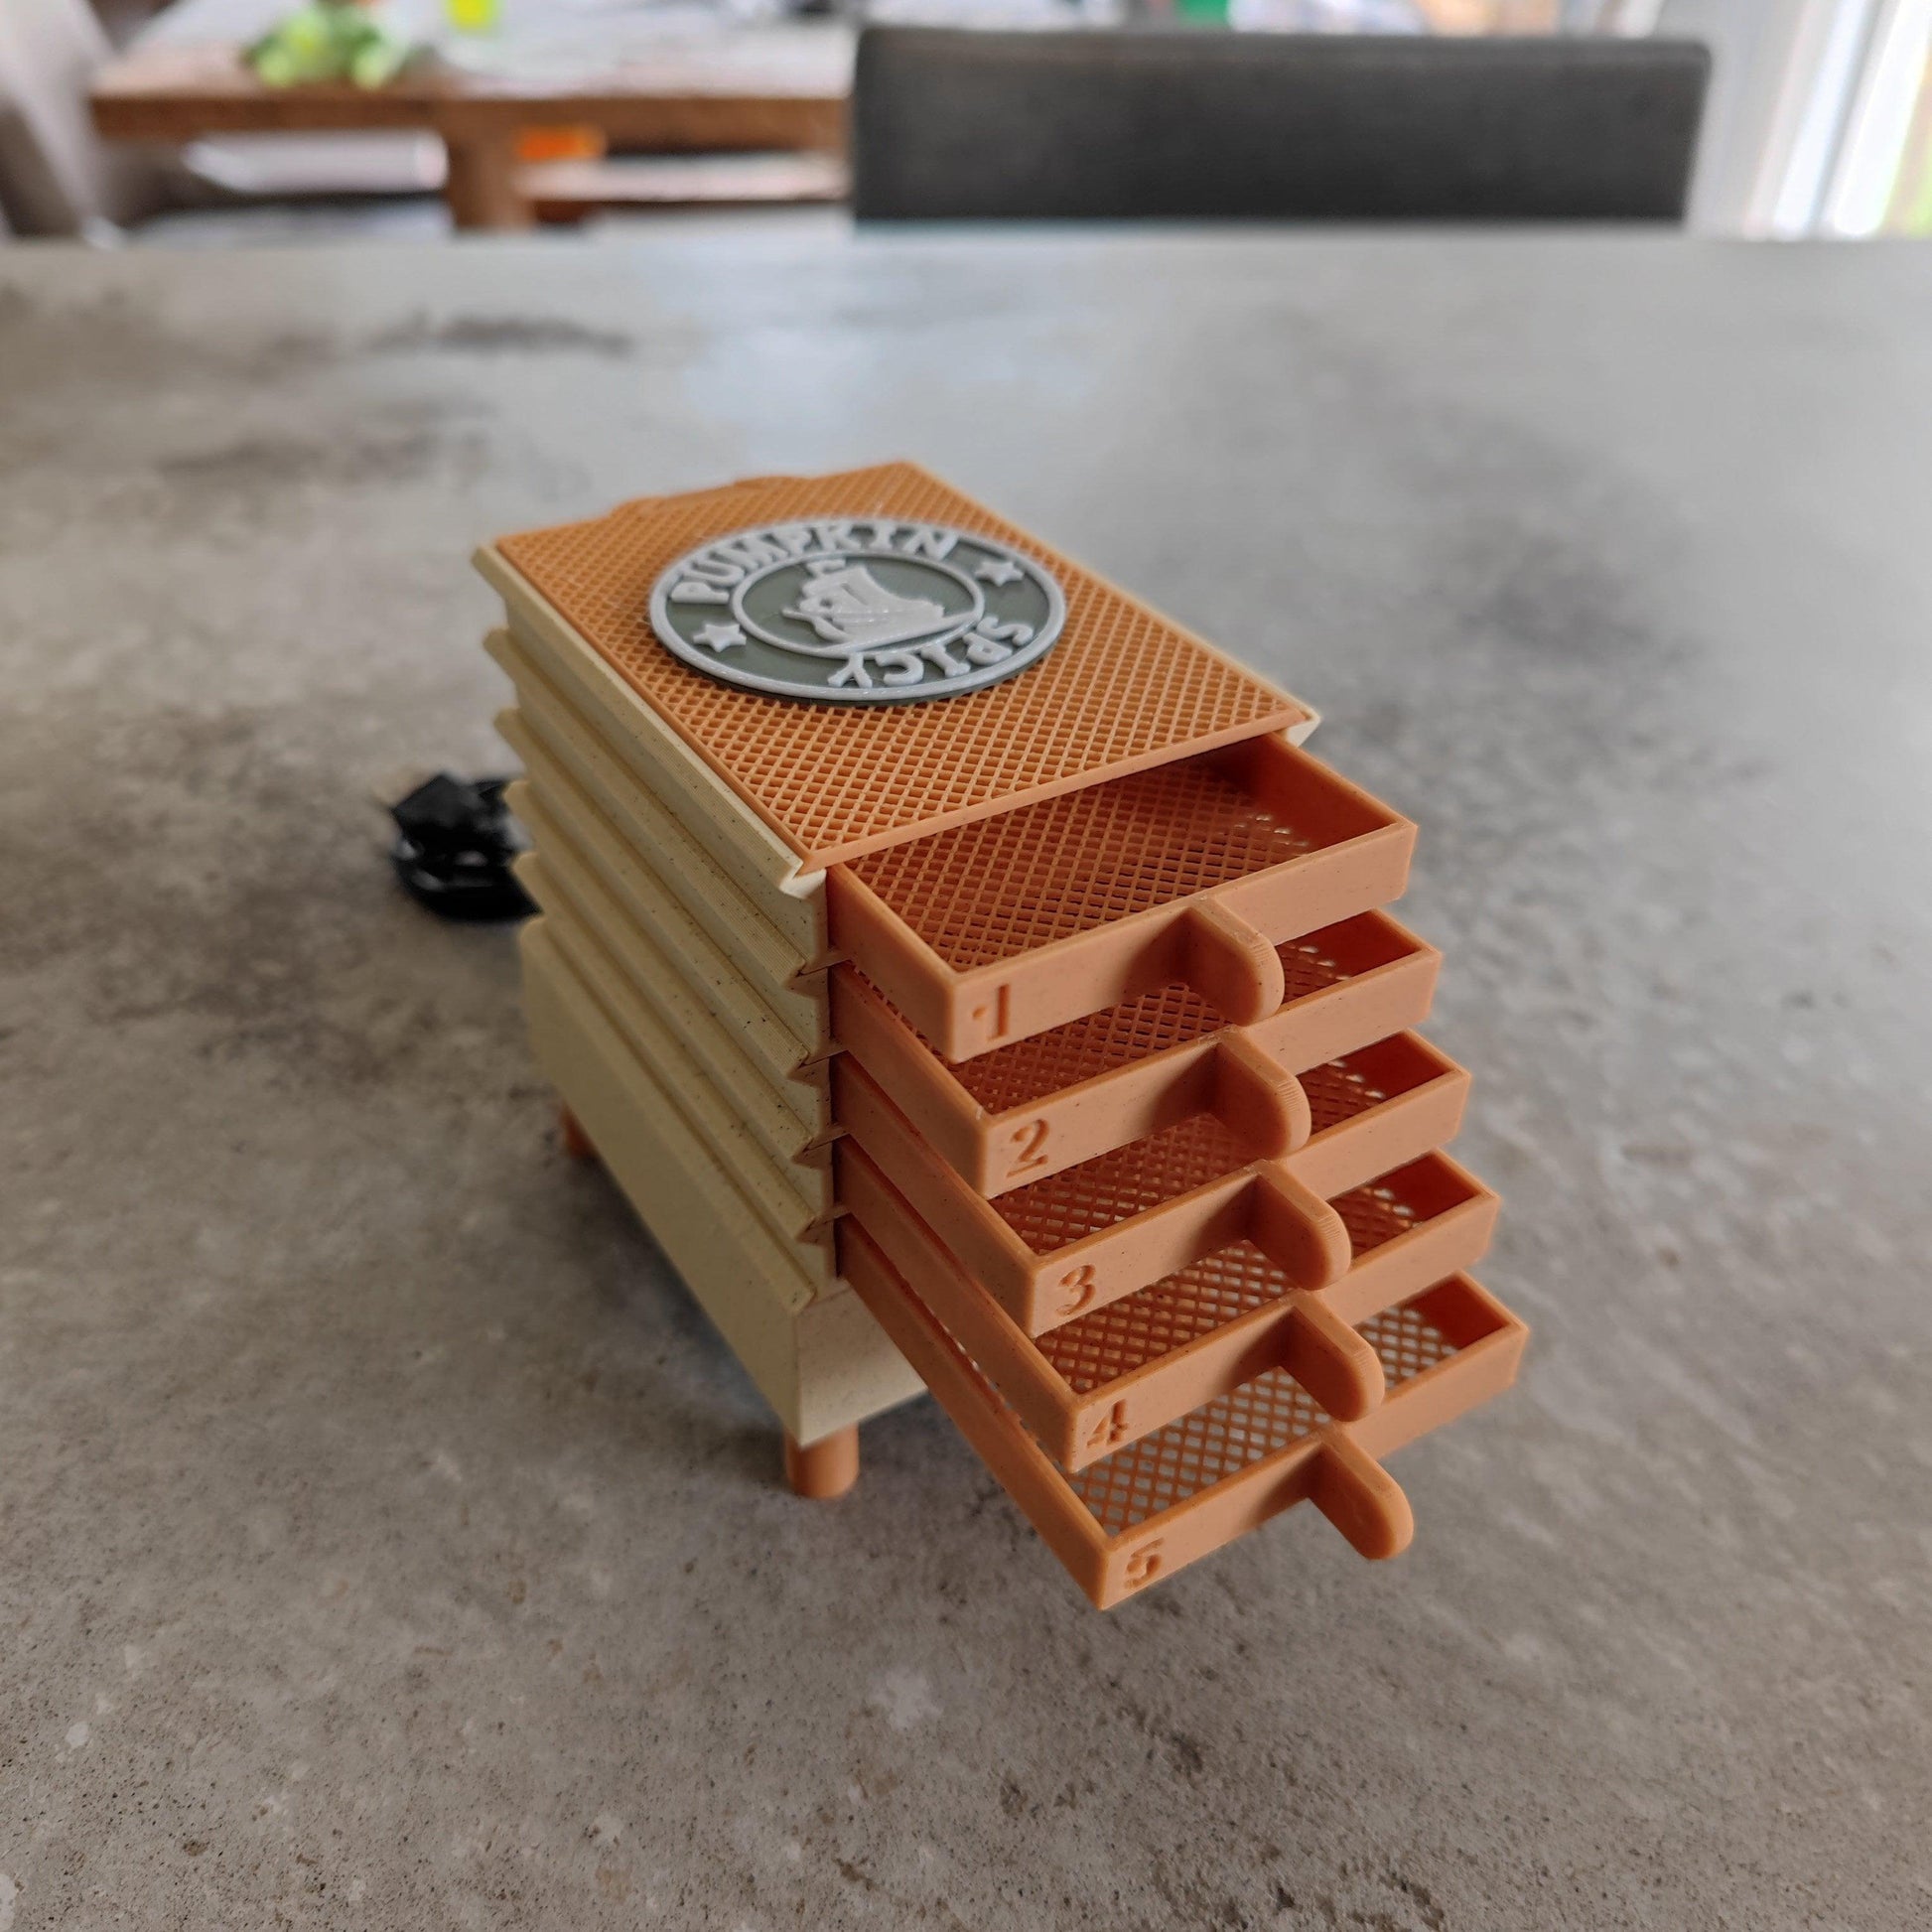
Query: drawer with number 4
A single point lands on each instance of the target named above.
(1127, 1368)
(1138, 1515)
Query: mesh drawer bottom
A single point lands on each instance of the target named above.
(1226, 1434)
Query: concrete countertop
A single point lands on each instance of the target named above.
(384, 1539)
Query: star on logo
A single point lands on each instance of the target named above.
(1001, 570)
(720, 636)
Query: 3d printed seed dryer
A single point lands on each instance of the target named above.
(973, 982)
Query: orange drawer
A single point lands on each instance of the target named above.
(1022, 1112)
(1107, 1378)
(1071, 1243)
(1190, 874)
(1162, 1503)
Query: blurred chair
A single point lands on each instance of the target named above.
(56, 177)
(1206, 125)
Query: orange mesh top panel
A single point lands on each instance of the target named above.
(984, 892)
(1125, 1336)
(1171, 1015)
(1225, 1435)
(1123, 688)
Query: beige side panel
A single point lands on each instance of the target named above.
(781, 1022)
(717, 818)
(794, 1201)
(788, 1129)
(728, 1261)
(849, 1368)
(777, 931)
(820, 1364)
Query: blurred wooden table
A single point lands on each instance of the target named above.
(780, 88)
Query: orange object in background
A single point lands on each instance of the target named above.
(535, 145)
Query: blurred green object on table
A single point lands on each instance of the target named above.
(329, 40)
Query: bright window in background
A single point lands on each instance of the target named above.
(1909, 199)
(1848, 151)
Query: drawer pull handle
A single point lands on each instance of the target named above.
(1299, 1231)
(1361, 1500)
(1230, 964)
(1336, 1363)
(1258, 1100)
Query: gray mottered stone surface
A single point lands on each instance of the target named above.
(384, 1539)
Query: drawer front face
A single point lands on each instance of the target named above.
(1193, 874)
(1139, 1515)
(1022, 1112)
(1408, 1229)
(1346, 985)
(1054, 1250)
(1083, 1238)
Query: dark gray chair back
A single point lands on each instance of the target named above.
(1184, 125)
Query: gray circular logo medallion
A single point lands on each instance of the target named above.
(857, 611)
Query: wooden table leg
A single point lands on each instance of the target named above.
(482, 189)
(825, 1468)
